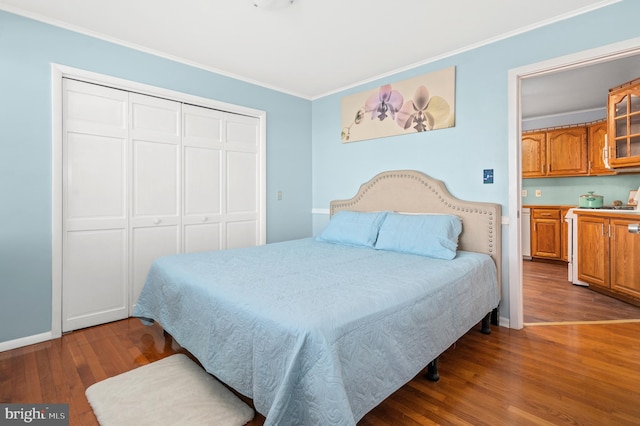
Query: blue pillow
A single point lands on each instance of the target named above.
(353, 228)
(432, 235)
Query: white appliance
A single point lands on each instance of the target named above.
(572, 248)
(526, 233)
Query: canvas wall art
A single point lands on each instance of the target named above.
(418, 104)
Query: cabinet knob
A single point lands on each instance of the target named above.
(205, 218)
(633, 228)
(156, 221)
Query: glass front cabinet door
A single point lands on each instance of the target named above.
(624, 125)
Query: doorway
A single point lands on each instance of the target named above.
(516, 77)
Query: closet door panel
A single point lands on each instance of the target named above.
(96, 287)
(202, 237)
(203, 127)
(155, 118)
(242, 181)
(202, 171)
(89, 108)
(94, 199)
(242, 130)
(149, 243)
(155, 180)
(242, 233)
(203, 181)
(95, 181)
(156, 184)
(242, 194)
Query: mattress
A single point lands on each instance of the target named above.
(314, 332)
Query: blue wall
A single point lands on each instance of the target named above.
(479, 139)
(27, 49)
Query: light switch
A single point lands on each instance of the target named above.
(279, 195)
(487, 176)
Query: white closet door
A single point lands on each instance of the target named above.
(144, 177)
(202, 197)
(242, 224)
(155, 195)
(95, 286)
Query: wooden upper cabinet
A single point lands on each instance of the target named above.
(534, 154)
(567, 152)
(596, 138)
(558, 152)
(623, 116)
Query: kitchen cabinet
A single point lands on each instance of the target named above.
(534, 154)
(593, 250)
(596, 141)
(567, 151)
(609, 255)
(623, 116)
(555, 152)
(546, 233)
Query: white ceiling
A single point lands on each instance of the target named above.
(309, 49)
(579, 89)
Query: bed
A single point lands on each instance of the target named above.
(318, 331)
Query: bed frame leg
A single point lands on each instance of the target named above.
(432, 371)
(495, 316)
(486, 324)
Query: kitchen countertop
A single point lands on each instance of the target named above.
(631, 214)
(550, 206)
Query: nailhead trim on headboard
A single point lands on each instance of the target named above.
(447, 203)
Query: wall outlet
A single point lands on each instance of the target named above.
(538, 193)
(524, 193)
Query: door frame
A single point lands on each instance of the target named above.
(58, 72)
(515, 76)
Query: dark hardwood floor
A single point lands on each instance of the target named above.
(586, 374)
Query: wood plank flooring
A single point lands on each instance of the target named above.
(549, 297)
(586, 374)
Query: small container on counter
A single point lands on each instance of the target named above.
(591, 200)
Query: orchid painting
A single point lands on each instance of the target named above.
(385, 101)
(416, 105)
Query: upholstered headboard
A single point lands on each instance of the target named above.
(411, 191)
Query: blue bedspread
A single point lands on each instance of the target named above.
(317, 333)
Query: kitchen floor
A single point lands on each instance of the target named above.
(549, 297)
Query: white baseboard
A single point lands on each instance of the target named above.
(503, 322)
(25, 341)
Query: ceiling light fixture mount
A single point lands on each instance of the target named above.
(271, 4)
